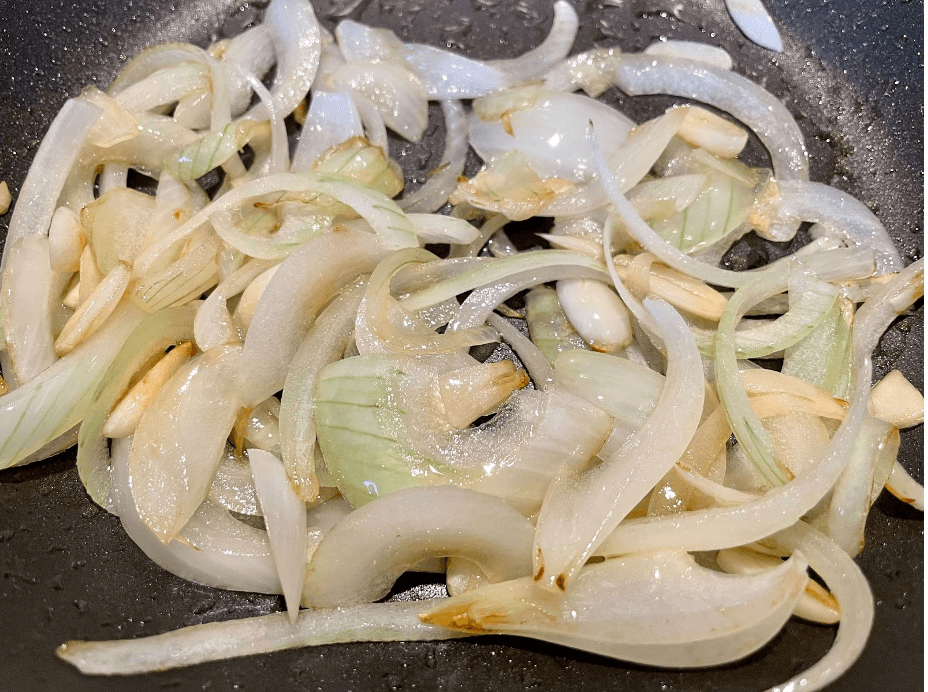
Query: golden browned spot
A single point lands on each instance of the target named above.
(177, 214)
(507, 123)
(300, 112)
(451, 619)
(561, 582)
(820, 594)
(540, 573)
(237, 436)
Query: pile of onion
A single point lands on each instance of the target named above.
(279, 382)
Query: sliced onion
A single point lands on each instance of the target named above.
(361, 557)
(216, 641)
(324, 343)
(299, 289)
(295, 33)
(181, 440)
(285, 518)
(332, 119)
(782, 507)
(658, 609)
(57, 153)
(49, 405)
(740, 97)
(608, 492)
(214, 549)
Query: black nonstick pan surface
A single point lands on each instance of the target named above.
(852, 74)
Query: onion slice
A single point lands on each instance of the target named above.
(600, 498)
(658, 609)
(285, 519)
(217, 641)
(361, 556)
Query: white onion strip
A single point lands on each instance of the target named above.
(849, 587)
(361, 556)
(749, 103)
(713, 529)
(217, 641)
(599, 499)
(57, 154)
(285, 518)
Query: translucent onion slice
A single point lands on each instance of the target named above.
(547, 127)
(815, 604)
(214, 549)
(52, 403)
(362, 556)
(855, 263)
(659, 609)
(324, 343)
(871, 462)
(296, 35)
(508, 185)
(629, 163)
(822, 357)
(595, 377)
(691, 50)
(214, 325)
(249, 236)
(855, 601)
(748, 102)
(449, 75)
(217, 641)
(841, 214)
(382, 213)
(332, 119)
(31, 291)
(233, 486)
(437, 228)
(601, 497)
(50, 167)
(508, 269)
(297, 292)
(285, 518)
(181, 440)
(396, 93)
(532, 359)
(557, 44)
(548, 326)
(746, 427)
(781, 507)
(906, 488)
(444, 179)
(381, 428)
(167, 85)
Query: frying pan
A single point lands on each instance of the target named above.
(851, 73)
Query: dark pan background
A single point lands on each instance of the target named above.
(852, 74)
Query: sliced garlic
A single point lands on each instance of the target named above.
(66, 239)
(683, 292)
(895, 400)
(597, 313)
(94, 310)
(126, 414)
